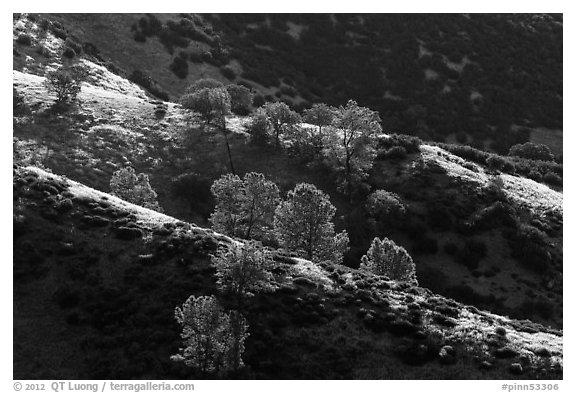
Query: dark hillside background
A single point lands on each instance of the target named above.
(486, 80)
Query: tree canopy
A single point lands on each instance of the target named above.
(386, 258)
(244, 207)
(351, 147)
(304, 222)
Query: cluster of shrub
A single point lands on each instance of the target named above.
(528, 159)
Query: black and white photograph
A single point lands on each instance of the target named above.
(287, 196)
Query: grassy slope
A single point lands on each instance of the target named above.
(112, 36)
(91, 303)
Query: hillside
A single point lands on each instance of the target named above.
(485, 231)
(446, 77)
(92, 301)
(110, 130)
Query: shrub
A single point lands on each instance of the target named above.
(259, 129)
(213, 340)
(68, 52)
(552, 178)
(228, 72)
(385, 258)
(65, 83)
(24, 39)
(240, 99)
(179, 67)
(134, 188)
(385, 205)
(139, 36)
(528, 245)
(495, 162)
(395, 153)
(258, 100)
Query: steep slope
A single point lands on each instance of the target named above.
(454, 212)
(96, 281)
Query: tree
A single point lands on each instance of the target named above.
(244, 208)
(259, 129)
(532, 151)
(242, 269)
(352, 145)
(205, 83)
(304, 222)
(240, 99)
(66, 84)
(213, 340)
(212, 104)
(320, 115)
(210, 99)
(125, 184)
(280, 117)
(386, 258)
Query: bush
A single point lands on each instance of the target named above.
(553, 179)
(139, 36)
(386, 258)
(495, 162)
(24, 39)
(386, 206)
(240, 99)
(396, 153)
(134, 188)
(179, 67)
(259, 130)
(529, 247)
(228, 72)
(65, 83)
(68, 52)
(411, 144)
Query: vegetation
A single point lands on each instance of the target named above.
(242, 270)
(134, 188)
(351, 148)
(240, 99)
(65, 83)
(244, 207)
(281, 117)
(532, 151)
(320, 115)
(213, 340)
(386, 258)
(211, 103)
(304, 222)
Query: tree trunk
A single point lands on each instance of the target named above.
(228, 150)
